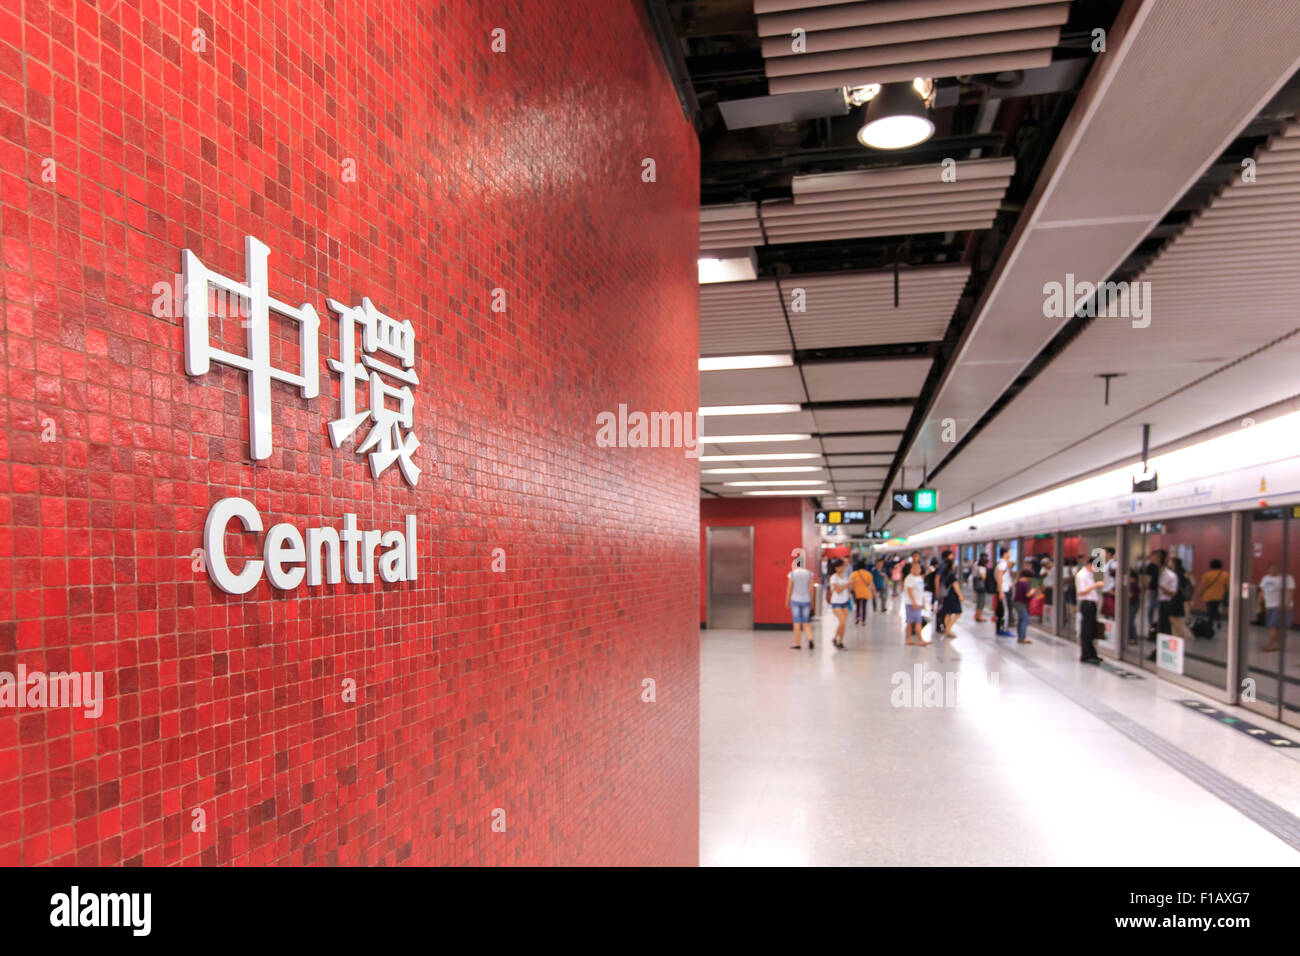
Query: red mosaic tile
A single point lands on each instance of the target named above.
(476, 690)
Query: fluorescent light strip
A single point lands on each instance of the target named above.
(750, 439)
(771, 456)
(748, 409)
(805, 492)
(762, 471)
(756, 484)
(726, 362)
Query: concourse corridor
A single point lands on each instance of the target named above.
(805, 760)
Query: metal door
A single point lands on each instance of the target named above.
(730, 556)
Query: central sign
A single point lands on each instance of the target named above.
(376, 357)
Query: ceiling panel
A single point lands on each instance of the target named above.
(757, 424)
(742, 317)
(1111, 177)
(861, 443)
(762, 448)
(887, 378)
(751, 386)
(1222, 342)
(880, 418)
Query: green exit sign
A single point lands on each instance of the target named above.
(926, 499)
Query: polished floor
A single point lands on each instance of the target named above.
(1007, 755)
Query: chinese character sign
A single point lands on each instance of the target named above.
(376, 354)
(199, 352)
(380, 336)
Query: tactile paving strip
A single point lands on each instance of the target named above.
(1273, 818)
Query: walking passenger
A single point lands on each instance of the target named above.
(837, 592)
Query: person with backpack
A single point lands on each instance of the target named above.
(864, 590)
(1213, 591)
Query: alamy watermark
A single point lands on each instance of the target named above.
(1098, 300)
(624, 429)
(36, 689)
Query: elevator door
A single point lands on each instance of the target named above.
(731, 578)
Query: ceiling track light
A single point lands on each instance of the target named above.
(897, 115)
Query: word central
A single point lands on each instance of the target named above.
(325, 555)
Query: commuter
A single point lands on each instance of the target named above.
(1168, 588)
(1086, 588)
(864, 590)
(1045, 572)
(950, 609)
(942, 574)
(1134, 600)
(914, 606)
(799, 598)
(1021, 595)
(896, 578)
(1178, 606)
(932, 593)
(1213, 591)
(1277, 605)
(838, 594)
(879, 585)
(1151, 594)
(1110, 582)
(979, 578)
(1002, 585)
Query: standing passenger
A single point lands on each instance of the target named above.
(1086, 587)
(798, 598)
(1024, 593)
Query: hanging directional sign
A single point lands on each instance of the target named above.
(907, 500)
(877, 535)
(843, 517)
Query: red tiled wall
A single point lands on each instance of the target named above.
(780, 525)
(476, 690)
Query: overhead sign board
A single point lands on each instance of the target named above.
(843, 517)
(909, 500)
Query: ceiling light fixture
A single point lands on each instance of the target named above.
(761, 471)
(750, 439)
(748, 409)
(776, 456)
(723, 363)
(898, 116)
(796, 482)
(789, 493)
(728, 265)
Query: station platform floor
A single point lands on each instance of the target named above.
(1017, 755)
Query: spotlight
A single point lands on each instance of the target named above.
(898, 116)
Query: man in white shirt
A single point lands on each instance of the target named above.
(1086, 587)
(914, 604)
(1003, 581)
(1276, 607)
